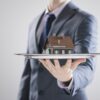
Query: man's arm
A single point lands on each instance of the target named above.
(85, 42)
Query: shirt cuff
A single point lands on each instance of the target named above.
(63, 86)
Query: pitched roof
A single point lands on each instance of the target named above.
(60, 41)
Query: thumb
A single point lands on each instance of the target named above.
(77, 62)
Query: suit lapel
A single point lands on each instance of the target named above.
(63, 17)
(33, 37)
(39, 21)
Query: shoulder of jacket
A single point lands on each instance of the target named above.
(85, 15)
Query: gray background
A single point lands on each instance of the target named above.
(15, 16)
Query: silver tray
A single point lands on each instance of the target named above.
(57, 56)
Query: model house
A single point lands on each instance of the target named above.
(59, 45)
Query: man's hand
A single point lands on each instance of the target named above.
(62, 73)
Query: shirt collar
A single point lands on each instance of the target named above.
(57, 11)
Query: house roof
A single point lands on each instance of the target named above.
(60, 41)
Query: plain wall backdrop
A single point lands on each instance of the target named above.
(15, 16)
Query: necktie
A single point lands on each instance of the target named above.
(44, 35)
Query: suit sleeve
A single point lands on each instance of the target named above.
(25, 79)
(25, 82)
(85, 42)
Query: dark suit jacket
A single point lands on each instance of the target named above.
(36, 82)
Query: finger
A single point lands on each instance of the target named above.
(50, 65)
(56, 62)
(68, 63)
(47, 65)
(76, 63)
(43, 62)
(40, 60)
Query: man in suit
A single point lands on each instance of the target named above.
(61, 80)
